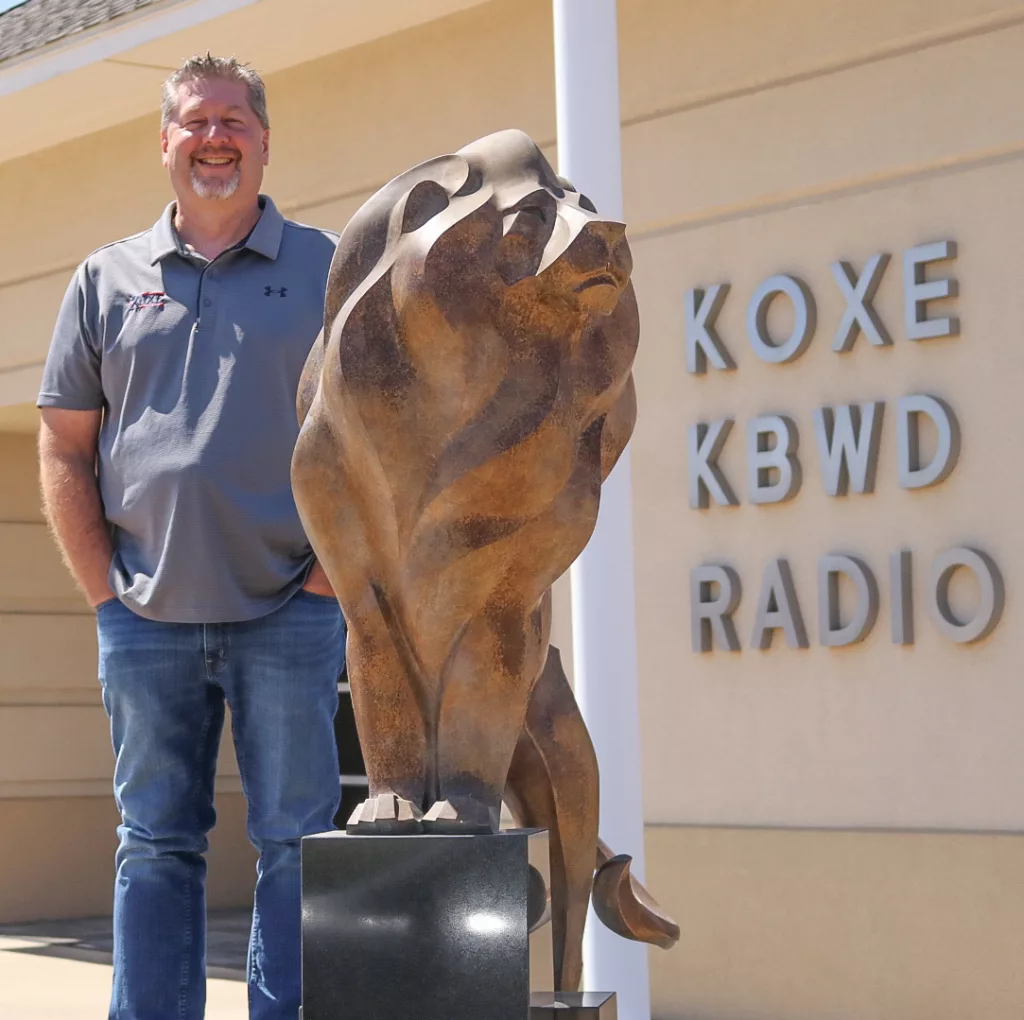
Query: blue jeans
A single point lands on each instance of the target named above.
(164, 687)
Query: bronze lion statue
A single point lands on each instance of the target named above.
(471, 390)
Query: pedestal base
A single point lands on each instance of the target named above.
(430, 926)
(573, 1006)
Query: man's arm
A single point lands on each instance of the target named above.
(71, 497)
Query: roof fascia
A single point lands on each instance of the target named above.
(110, 39)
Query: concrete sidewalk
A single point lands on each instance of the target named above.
(60, 970)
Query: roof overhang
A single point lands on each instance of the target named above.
(111, 73)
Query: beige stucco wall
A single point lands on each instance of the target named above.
(842, 146)
(789, 136)
(758, 138)
(826, 925)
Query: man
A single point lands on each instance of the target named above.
(168, 421)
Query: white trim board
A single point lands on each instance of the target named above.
(110, 39)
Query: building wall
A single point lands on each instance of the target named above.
(836, 829)
(803, 924)
(876, 153)
(414, 94)
(56, 807)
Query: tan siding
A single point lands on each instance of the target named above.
(703, 51)
(30, 309)
(561, 622)
(19, 489)
(870, 123)
(32, 576)
(60, 853)
(50, 744)
(874, 734)
(421, 93)
(43, 653)
(811, 925)
(19, 418)
(378, 107)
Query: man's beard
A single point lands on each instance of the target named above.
(215, 188)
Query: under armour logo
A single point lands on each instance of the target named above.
(279, 291)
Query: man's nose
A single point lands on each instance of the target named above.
(215, 130)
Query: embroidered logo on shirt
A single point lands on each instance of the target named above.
(279, 291)
(149, 299)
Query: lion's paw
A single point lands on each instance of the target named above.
(387, 814)
(444, 817)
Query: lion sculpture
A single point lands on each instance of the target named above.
(469, 393)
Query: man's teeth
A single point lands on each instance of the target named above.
(216, 160)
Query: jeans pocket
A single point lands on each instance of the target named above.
(317, 597)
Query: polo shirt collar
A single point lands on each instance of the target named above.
(163, 241)
(264, 238)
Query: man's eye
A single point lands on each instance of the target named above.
(232, 122)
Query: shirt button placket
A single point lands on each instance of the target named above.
(205, 300)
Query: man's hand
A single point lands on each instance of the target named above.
(71, 497)
(316, 581)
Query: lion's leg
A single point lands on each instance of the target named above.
(554, 781)
(332, 499)
(389, 720)
(482, 706)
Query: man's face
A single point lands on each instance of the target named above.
(213, 144)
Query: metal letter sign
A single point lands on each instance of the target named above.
(804, 319)
(832, 632)
(711, 615)
(778, 609)
(702, 342)
(990, 606)
(917, 291)
(765, 459)
(859, 315)
(848, 440)
(704, 442)
(901, 595)
(912, 474)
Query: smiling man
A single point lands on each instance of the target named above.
(168, 422)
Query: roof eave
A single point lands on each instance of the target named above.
(101, 42)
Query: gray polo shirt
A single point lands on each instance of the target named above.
(195, 365)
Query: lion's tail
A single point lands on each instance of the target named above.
(625, 906)
(553, 784)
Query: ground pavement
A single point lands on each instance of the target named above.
(60, 970)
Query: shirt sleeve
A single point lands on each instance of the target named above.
(71, 376)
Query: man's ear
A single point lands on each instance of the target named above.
(163, 146)
(266, 146)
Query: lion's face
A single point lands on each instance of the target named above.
(524, 236)
(490, 232)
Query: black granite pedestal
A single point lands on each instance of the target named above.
(424, 927)
(573, 1006)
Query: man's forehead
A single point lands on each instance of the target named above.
(219, 91)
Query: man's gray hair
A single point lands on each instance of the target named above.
(202, 67)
